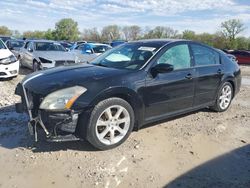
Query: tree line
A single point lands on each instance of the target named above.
(67, 29)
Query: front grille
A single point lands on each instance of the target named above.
(62, 62)
(3, 74)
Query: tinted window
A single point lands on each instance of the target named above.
(243, 53)
(2, 46)
(16, 44)
(100, 48)
(204, 56)
(178, 56)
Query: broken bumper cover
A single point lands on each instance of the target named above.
(57, 125)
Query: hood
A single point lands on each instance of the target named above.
(47, 81)
(4, 53)
(55, 55)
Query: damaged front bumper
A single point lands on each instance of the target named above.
(57, 125)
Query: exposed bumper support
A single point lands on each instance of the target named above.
(51, 122)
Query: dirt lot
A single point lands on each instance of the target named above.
(202, 149)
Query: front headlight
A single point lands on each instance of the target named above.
(62, 99)
(43, 60)
(10, 59)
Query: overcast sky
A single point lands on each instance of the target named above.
(197, 15)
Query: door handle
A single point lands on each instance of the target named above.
(219, 71)
(189, 76)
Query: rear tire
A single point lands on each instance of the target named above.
(224, 98)
(36, 66)
(20, 62)
(110, 124)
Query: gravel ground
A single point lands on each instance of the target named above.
(201, 149)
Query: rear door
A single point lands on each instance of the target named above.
(209, 72)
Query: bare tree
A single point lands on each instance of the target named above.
(126, 32)
(110, 32)
(91, 35)
(232, 28)
(161, 32)
(131, 32)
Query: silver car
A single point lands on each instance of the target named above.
(88, 51)
(44, 54)
(14, 46)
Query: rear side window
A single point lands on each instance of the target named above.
(204, 56)
(178, 56)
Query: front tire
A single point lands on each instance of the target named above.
(224, 98)
(110, 124)
(36, 66)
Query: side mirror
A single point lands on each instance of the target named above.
(11, 48)
(30, 50)
(161, 68)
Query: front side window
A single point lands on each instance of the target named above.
(128, 56)
(30, 46)
(204, 56)
(178, 56)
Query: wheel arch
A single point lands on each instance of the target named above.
(231, 80)
(129, 96)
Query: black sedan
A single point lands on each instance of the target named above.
(125, 88)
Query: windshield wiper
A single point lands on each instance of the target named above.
(102, 65)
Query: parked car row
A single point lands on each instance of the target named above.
(43, 54)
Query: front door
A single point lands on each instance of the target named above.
(171, 92)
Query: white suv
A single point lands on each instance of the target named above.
(9, 65)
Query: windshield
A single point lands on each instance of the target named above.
(17, 44)
(100, 48)
(49, 46)
(2, 46)
(4, 39)
(128, 56)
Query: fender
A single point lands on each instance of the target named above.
(127, 94)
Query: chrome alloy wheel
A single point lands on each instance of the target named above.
(225, 97)
(112, 125)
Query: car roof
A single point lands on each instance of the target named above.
(19, 40)
(5, 36)
(40, 40)
(97, 44)
(163, 41)
(43, 40)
